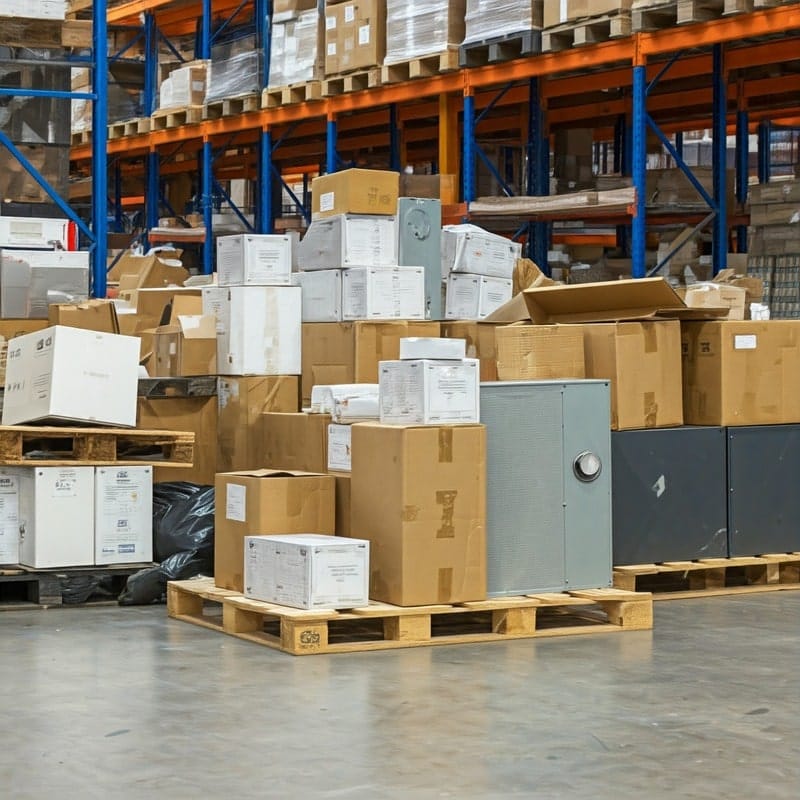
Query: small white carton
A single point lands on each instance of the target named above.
(307, 571)
(346, 402)
(349, 240)
(339, 443)
(322, 294)
(475, 296)
(9, 518)
(468, 248)
(255, 260)
(123, 515)
(413, 348)
(427, 392)
(35, 232)
(381, 293)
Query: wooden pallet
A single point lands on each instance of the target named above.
(159, 388)
(129, 127)
(351, 82)
(382, 627)
(711, 577)
(80, 137)
(176, 117)
(424, 67)
(23, 587)
(51, 447)
(500, 48)
(586, 31)
(291, 95)
(24, 32)
(668, 13)
(231, 106)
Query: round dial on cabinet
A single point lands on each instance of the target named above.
(587, 466)
(419, 224)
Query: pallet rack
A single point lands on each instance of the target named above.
(734, 75)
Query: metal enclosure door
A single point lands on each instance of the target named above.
(419, 223)
(763, 496)
(670, 495)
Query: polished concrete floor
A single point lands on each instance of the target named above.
(124, 703)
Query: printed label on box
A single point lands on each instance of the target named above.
(349, 13)
(236, 502)
(363, 35)
(748, 342)
(327, 201)
(330, 23)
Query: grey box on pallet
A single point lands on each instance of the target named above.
(548, 522)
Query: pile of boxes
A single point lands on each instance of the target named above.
(355, 35)
(297, 53)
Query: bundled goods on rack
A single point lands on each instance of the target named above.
(671, 187)
(296, 47)
(184, 87)
(417, 28)
(489, 19)
(573, 10)
(355, 35)
(234, 70)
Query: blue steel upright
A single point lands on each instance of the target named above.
(99, 252)
(719, 253)
(206, 205)
(742, 170)
(639, 171)
(468, 167)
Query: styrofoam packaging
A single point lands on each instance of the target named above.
(250, 260)
(123, 515)
(259, 328)
(468, 248)
(56, 516)
(339, 443)
(307, 571)
(383, 293)
(427, 392)
(72, 375)
(414, 348)
(347, 402)
(475, 296)
(322, 294)
(349, 240)
(38, 232)
(9, 517)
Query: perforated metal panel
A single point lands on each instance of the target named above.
(546, 529)
(419, 222)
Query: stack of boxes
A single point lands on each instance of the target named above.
(418, 28)
(297, 47)
(488, 19)
(355, 35)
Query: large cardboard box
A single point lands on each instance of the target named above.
(481, 343)
(71, 375)
(419, 497)
(255, 260)
(349, 352)
(383, 293)
(307, 571)
(10, 329)
(468, 248)
(123, 515)
(295, 441)
(155, 271)
(643, 362)
(9, 518)
(263, 502)
(355, 35)
(539, 352)
(355, 191)
(741, 373)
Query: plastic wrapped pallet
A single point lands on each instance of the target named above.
(416, 28)
(491, 19)
(234, 70)
(296, 50)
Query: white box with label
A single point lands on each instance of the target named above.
(381, 293)
(468, 248)
(322, 294)
(258, 328)
(9, 517)
(413, 348)
(250, 260)
(34, 232)
(339, 439)
(307, 571)
(475, 296)
(123, 515)
(72, 375)
(428, 392)
(349, 240)
(56, 516)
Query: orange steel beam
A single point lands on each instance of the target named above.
(127, 12)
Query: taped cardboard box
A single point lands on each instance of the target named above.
(539, 352)
(355, 191)
(264, 502)
(480, 339)
(418, 495)
(93, 315)
(295, 441)
(741, 373)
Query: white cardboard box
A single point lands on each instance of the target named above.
(416, 347)
(346, 402)
(339, 443)
(468, 248)
(123, 515)
(258, 328)
(9, 517)
(427, 392)
(73, 375)
(32, 279)
(307, 571)
(250, 260)
(56, 516)
(38, 232)
(35, 9)
(347, 240)
(383, 293)
(322, 294)
(475, 296)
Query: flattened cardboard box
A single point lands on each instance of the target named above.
(263, 502)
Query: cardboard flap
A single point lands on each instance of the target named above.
(515, 310)
(93, 315)
(272, 473)
(147, 271)
(197, 326)
(187, 306)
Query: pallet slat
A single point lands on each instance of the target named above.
(500, 48)
(176, 117)
(423, 67)
(586, 31)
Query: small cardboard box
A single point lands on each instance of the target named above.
(418, 495)
(93, 315)
(383, 293)
(539, 352)
(307, 571)
(258, 502)
(251, 260)
(295, 441)
(148, 272)
(355, 191)
(123, 515)
(468, 248)
(475, 296)
(186, 347)
(718, 295)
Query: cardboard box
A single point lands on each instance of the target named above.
(56, 516)
(154, 306)
(343, 513)
(71, 375)
(419, 497)
(9, 518)
(717, 295)
(383, 293)
(480, 339)
(427, 392)
(241, 402)
(322, 294)
(123, 515)
(185, 86)
(258, 328)
(307, 571)
(339, 448)
(435, 187)
(355, 191)
(741, 373)
(346, 241)
(475, 296)
(295, 441)
(642, 361)
(349, 352)
(148, 272)
(250, 260)
(539, 352)
(263, 502)
(442, 348)
(93, 315)
(10, 329)
(468, 248)
(355, 35)
(186, 347)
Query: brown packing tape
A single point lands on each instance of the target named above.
(445, 445)
(650, 410)
(445, 588)
(298, 491)
(650, 333)
(447, 500)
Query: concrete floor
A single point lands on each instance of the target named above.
(124, 703)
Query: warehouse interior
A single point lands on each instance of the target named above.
(418, 380)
